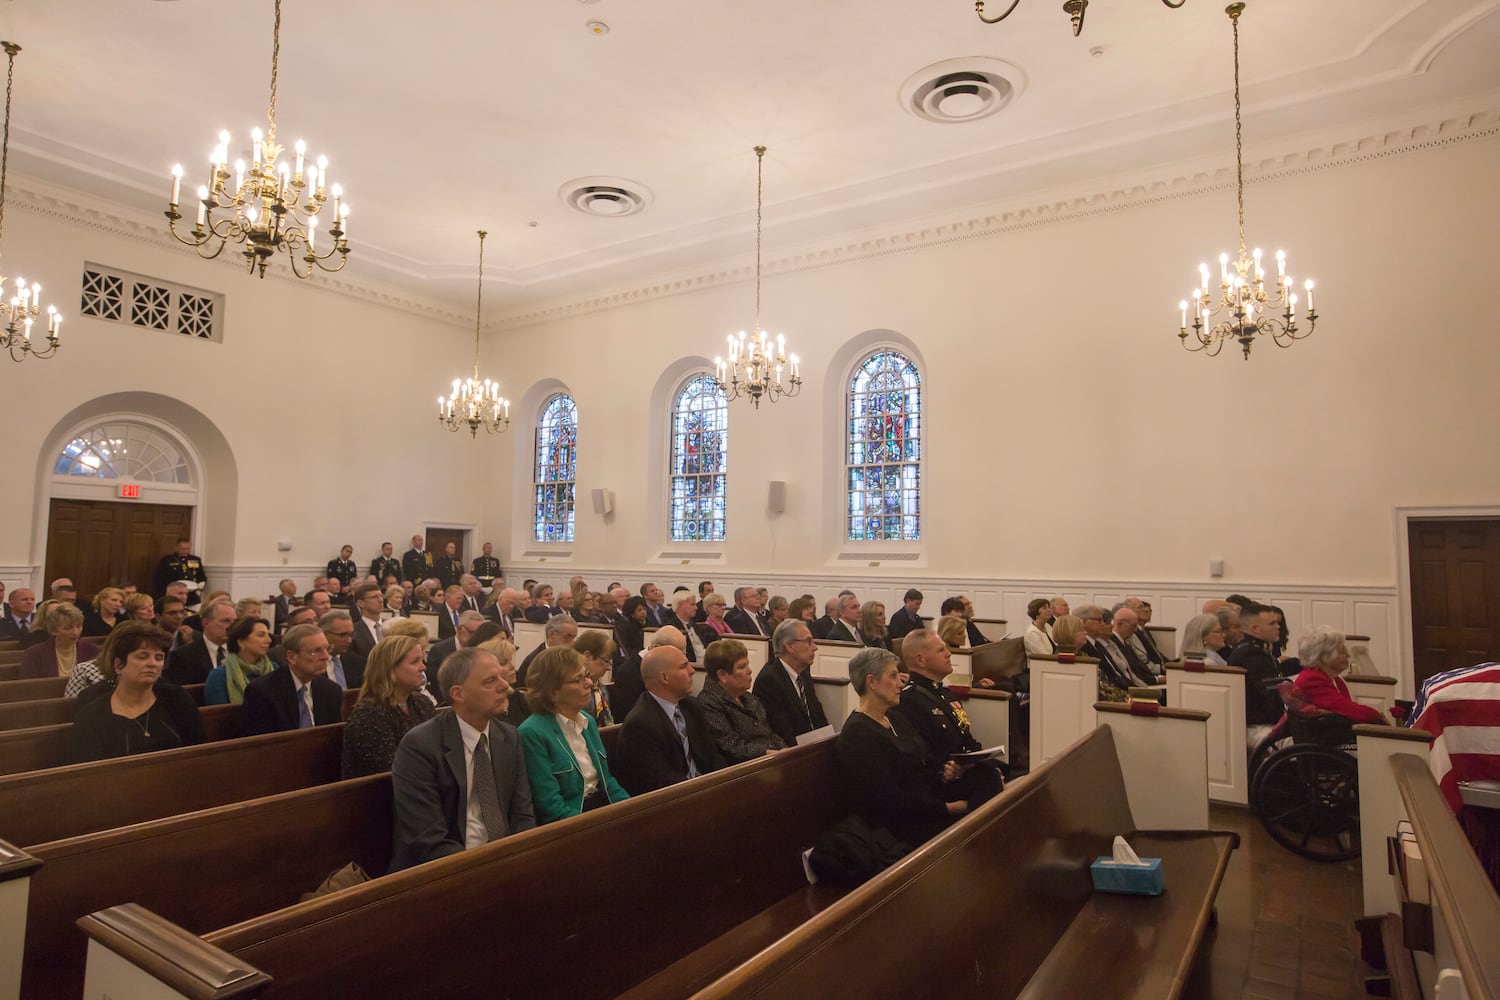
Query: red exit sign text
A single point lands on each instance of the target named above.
(130, 491)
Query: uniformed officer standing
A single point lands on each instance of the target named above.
(935, 713)
(181, 565)
(416, 563)
(385, 565)
(447, 567)
(343, 569)
(486, 567)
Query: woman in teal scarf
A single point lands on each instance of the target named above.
(249, 640)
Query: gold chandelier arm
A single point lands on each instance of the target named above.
(979, 9)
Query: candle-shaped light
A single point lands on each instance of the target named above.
(1291, 307)
(301, 148)
(284, 178)
(255, 137)
(176, 183)
(1224, 268)
(202, 205)
(344, 221)
(54, 322)
(1281, 263)
(1183, 304)
(322, 174)
(1259, 274)
(239, 177)
(1309, 287)
(312, 234)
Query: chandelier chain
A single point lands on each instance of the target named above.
(1239, 144)
(760, 162)
(11, 48)
(479, 302)
(275, 59)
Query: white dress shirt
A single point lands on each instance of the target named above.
(573, 732)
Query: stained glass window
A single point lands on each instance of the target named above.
(556, 469)
(884, 450)
(700, 438)
(122, 449)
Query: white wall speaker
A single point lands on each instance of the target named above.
(604, 501)
(776, 496)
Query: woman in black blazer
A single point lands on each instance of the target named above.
(872, 626)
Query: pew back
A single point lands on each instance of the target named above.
(32, 688)
(200, 870)
(1219, 691)
(529, 635)
(1162, 758)
(1062, 703)
(734, 840)
(832, 658)
(1377, 691)
(41, 747)
(81, 798)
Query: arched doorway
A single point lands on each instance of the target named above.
(122, 490)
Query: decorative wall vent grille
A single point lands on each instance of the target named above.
(150, 303)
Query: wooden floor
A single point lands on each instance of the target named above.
(1286, 925)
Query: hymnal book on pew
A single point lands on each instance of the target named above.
(988, 753)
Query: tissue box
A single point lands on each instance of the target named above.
(1139, 880)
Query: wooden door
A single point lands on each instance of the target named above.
(1455, 594)
(104, 543)
(438, 538)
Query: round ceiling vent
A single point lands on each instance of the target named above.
(961, 90)
(608, 197)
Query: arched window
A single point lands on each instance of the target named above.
(884, 452)
(124, 449)
(700, 439)
(556, 469)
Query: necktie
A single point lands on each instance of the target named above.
(336, 672)
(455, 619)
(378, 635)
(219, 657)
(687, 633)
(804, 688)
(484, 790)
(304, 709)
(687, 750)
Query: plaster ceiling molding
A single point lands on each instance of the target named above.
(1168, 185)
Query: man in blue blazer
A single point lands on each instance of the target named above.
(459, 779)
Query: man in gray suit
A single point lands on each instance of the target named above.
(459, 779)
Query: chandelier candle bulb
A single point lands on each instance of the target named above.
(176, 183)
(202, 205)
(301, 152)
(1309, 287)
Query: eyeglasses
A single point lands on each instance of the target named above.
(803, 639)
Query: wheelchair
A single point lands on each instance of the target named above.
(1304, 784)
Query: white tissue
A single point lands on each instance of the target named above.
(1125, 854)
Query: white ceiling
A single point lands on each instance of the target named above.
(446, 116)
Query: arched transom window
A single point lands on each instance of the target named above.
(556, 469)
(124, 449)
(700, 439)
(883, 457)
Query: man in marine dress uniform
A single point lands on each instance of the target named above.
(486, 567)
(343, 569)
(416, 562)
(181, 565)
(385, 565)
(935, 713)
(447, 567)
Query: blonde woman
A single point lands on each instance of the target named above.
(390, 704)
(105, 613)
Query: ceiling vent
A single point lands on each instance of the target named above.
(961, 90)
(606, 197)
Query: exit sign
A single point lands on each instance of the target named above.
(130, 491)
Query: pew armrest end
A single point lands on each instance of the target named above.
(16, 863)
(183, 961)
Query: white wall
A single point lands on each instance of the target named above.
(315, 416)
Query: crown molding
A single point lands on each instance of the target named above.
(1373, 141)
(75, 208)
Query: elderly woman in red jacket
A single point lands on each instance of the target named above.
(1324, 657)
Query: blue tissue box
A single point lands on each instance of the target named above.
(1138, 880)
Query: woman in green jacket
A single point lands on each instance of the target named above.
(564, 755)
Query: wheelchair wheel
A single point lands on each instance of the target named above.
(1307, 798)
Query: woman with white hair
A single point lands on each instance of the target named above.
(1324, 657)
(1203, 636)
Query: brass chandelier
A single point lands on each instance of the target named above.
(475, 404)
(266, 210)
(1248, 309)
(1075, 9)
(754, 367)
(19, 312)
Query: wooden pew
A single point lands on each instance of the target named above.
(10, 671)
(1380, 805)
(993, 629)
(1164, 763)
(16, 869)
(1465, 908)
(560, 924)
(1165, 637)
(60, 802)
(1375, 690)
(32, 688)
(832, 657)
(1219, 691)
(200, 870)
(52, 711)
(42, 747)
(529, 636)
(1036, 929)
(1063, 693)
